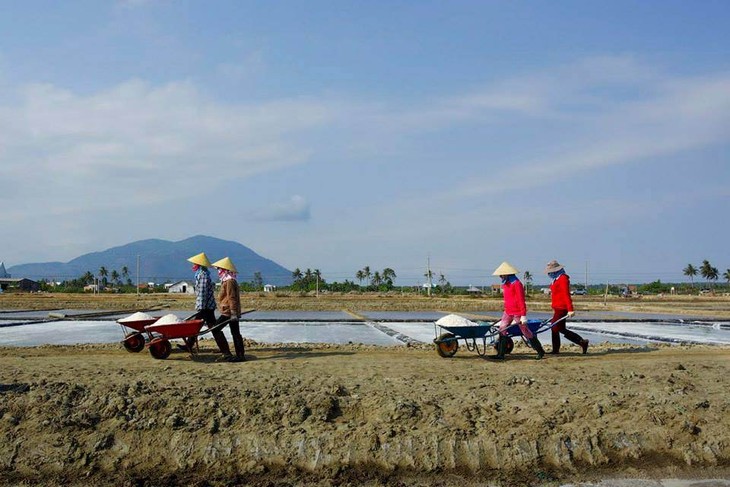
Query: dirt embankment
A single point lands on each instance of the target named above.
(709, 306)
(361, 415)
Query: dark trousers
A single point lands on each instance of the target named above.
(208, 316)
(235, 333)
(561, 328)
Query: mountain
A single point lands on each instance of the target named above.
(160, 261)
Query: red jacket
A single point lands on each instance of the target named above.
(514, 298)
(560, 293)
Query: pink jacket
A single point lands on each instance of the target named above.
(514, 298)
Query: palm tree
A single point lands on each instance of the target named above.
(714, 274)
(115, 276)
(388, 276)
(88, 278)
(360, 275)
(377, 279)
(103, 273)
(706, 270)
(527, 276)
(297, 274)
(125, 272)
(726, 275)
(442, 282)
(691, 272)
(366, 272)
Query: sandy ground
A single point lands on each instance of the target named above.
(360, 415)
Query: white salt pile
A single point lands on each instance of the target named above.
(138, 316)
(168, 319)
(455, 320)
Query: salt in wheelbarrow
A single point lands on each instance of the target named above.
(135, 332)
(481, 335)
(133, 328)
(161, 333)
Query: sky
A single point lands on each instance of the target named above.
(335, 135)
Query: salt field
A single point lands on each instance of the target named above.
(24, 329)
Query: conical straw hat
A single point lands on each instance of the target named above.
(505, 269)
(225, 263)
(200, 259)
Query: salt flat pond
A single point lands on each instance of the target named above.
(32, 328)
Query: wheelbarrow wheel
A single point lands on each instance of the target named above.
(509, 346)
(160, 348)
(134, 342)
(446, 345)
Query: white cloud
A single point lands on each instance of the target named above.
(676, 115)
(295, 208)
(167, 139)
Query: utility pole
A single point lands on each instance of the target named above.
(428, 273)
(317, 287)
(586, 276)
(138, 275)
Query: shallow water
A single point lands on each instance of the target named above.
(68, 332)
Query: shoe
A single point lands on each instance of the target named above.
(537, 346)
(554, 352)
(224, 358)
(234, 358)
(501, 345)
(584, 346)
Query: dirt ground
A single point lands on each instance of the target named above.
(360, 415)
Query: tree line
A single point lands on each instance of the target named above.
(707, 271)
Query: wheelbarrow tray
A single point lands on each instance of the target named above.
(478, 331)
(535, 326)
(138, 325)
(485, 330)
(184, 329)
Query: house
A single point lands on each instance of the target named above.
(181, 287)
(268, 288)
(496, 289)
(4, 273)
(22, 284)
(473, 290)
(91, 288)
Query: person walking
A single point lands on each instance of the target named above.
(229, 299)
(562, 305)
(515, 310)
(205, 303)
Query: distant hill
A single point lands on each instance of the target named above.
(159, 261)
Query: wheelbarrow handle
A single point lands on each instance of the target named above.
(556, 321)
(218, 326)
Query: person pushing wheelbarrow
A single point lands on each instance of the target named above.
(229, 299)
(562, 305)
(204, 302)
(515, 310)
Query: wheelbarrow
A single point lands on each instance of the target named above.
(478, 338)
(161, 334)
(134, 332)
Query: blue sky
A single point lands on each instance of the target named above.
(336, 135)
